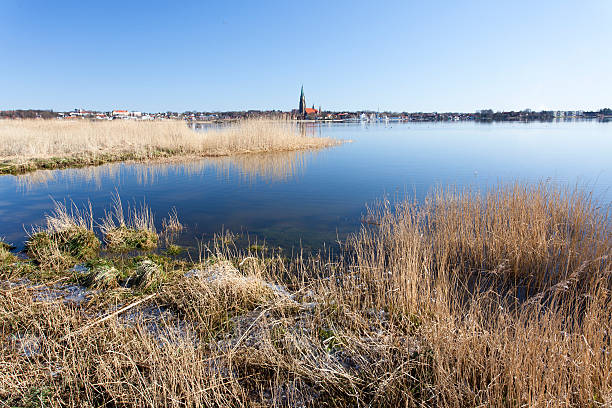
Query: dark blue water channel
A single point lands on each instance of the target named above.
(306, 199)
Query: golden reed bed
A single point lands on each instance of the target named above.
(501, 299)
(27, 145)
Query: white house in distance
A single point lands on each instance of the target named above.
(125, 113)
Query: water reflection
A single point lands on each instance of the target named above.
(270, 167)
(264, 167)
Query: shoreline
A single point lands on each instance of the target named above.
(75, 162)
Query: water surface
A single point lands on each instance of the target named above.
(308, 199)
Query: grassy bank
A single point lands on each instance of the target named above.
(501, 299)
(27, 145)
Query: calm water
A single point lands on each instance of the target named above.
(310, 198)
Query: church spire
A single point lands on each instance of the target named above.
(302, 102)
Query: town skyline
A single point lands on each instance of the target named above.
(304, 112)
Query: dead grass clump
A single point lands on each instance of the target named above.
(211, 294)
(103, 277)
(6, 246)
(5, 255)
(509, 289)
(63, 248)
(5, 252)
(68, 238)
(247, 290)
(147, 274)
(172, 224)
(123, 239)
(134, 232)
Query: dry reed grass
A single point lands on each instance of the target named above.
(501, 299)
(171, 224)
(27, 145)
(131, 232)
(66, 239)
(5, 252)
(68, 236)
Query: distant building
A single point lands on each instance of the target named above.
(311, 111)
(125, 113)
(303, 110)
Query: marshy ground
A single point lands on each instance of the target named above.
(28, 145)
(465, 299)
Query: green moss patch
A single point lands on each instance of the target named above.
(174, 250)
(127, 239)
(63, 248)
(5, 252)
(5, 246)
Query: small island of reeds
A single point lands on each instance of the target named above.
(27, 145)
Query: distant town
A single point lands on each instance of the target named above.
(312, 114)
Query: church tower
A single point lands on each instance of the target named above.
(302, 103)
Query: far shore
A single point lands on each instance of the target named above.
(29, 145)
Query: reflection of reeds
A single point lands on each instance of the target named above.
(172, 223)
(276, 166)
(268, 167)
(27, 145)
(32, 180)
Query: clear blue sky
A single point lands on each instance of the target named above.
(235, 55)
